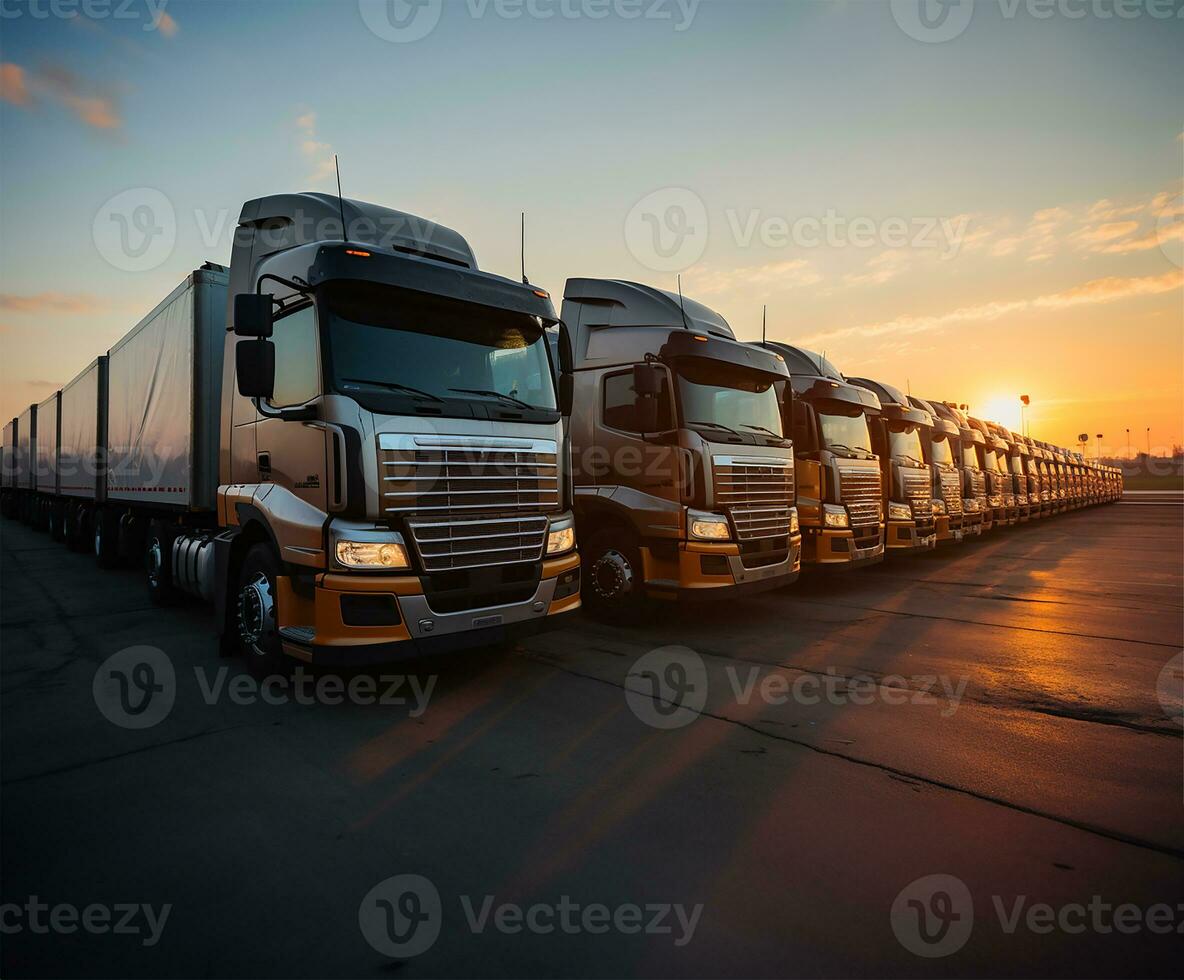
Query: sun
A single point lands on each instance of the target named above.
(1004, 409)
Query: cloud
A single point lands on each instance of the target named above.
(1112, 288)
(1090, 236)
(12, 84)
(1107, 290)
(50, 303)
(885, 266)
(789, 274)
(22, 86)
(319, 153)
(166, 24)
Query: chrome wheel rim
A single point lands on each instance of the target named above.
(612, 576)
(154, 561)
(256, 612)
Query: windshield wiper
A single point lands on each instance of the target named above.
(911, 459)
(395, 386)
(715, 425)
(496, 394)
(832, 446)
(761, 428)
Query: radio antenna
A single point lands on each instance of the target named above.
(681, 307)
(340, 202)
(522, 239)
(764, 318)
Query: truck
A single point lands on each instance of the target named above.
(350, 441)
(998, 478)
(976, 511)
(8, 470)
(899, 437)
(943, 454)
(1017, 464)
(684, 477)
(839, 487)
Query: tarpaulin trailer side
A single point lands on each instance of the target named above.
(26, 447)
(46, 469)
(9, 458)
(82, 433)
(164, 390)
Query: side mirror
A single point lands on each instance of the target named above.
(567, 394)
(252, 314)
(647, 379)
(254, 363)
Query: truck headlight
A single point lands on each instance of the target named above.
(939, 506)
(561, 539)
(794, 526)
(899, 512)
(995, 500)
(834, 516)
(708, 527)
(365, 546)
(371, 554)
(970, 505)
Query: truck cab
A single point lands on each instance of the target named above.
(969, 459)
(1017, 463)
(684, 476)
(840, 490)
(943, 454)
(393, 472)
(998, 477)
(900, 437)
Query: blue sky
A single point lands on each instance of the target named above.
(764, 111)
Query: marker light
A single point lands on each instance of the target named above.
(358, 252)
(794, 526)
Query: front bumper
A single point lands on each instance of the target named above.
(411, 627)
(836, 548)
(711, 570)
(903, 536)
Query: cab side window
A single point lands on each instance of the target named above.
(297, 366)
(619, 410)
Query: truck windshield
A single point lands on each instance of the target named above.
(1017, 465)
(969, 457)
(989, 460)
(846, 435)
(905, 443)
(389, 343)
(719, 394)
(943, 454)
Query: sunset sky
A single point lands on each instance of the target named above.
(1004, 206)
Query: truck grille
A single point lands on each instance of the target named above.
(424, 479)
(756, 493)
(859, 489)
(951, 492)
(446, 545)
(918, 488)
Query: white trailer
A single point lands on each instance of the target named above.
(164, 385)
(45, 471)
(82, 435)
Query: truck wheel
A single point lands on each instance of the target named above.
(78, 530)
(612, 576)
(255, 613)
(57, 520)
(40, 516)
(158, 564)
(105, 537)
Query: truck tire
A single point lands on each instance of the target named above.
(105, 537)
(77, 532)
(613, 580)
(158, 563)
(255, 613)
(40, 514)
(57, 520)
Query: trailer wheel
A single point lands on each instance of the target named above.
(613, 581)
(158, 564)
(57, 521)
(40, 514)
(255, 613)
(77, 536)
(105, 537)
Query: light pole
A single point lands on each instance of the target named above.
(1025, 401)
(1099, 447)
(1148, 442)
